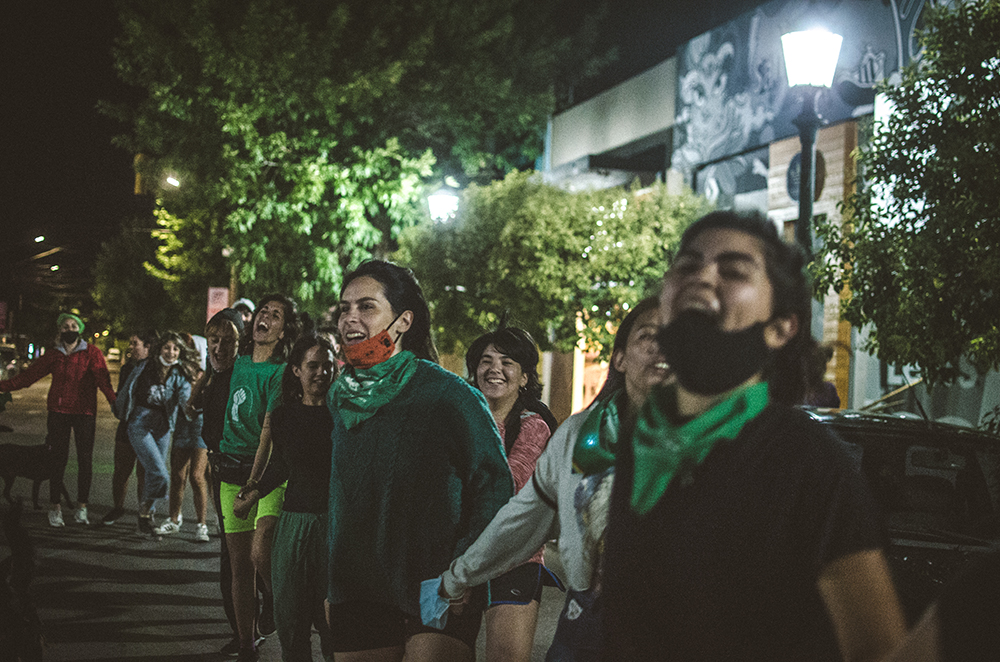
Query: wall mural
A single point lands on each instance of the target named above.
(733, 97)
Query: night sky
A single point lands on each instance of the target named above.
(61, 176)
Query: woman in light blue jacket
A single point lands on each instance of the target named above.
(156, 390)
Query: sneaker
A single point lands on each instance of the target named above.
(55, 518)
(232, 647)
(168, 528)
(201, 535)
(113, 515)
(145, 527)
(80, 516)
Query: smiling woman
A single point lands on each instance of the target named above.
(417, 471)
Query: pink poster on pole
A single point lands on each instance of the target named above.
(218, 298)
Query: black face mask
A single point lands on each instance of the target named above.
(709, 361)
(69, 337)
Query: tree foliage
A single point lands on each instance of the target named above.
(565, 265)
(128, 295)
(302, 132)
(920, 251)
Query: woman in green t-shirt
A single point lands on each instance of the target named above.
(254, 392)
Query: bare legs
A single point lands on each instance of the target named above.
(185, 462)
(510, 632)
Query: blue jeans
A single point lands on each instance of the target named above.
(578, 633)
(149, 433)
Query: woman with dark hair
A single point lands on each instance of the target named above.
(254, 392)
(155, 391)
(503, 364)
(417, 471)
(739, 527)
(566, 497)
(300, 434)
(140, 344)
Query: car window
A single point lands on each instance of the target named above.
(932, 484)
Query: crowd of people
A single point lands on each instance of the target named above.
(698, 513)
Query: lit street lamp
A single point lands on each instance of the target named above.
(810, 62)
(443, 203)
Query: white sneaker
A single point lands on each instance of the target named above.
(202, 533)
(80, 516)
(168, 527)
(55, 518)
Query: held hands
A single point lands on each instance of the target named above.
(456, 604)
(245, 500)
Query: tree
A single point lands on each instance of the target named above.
(302, 131)
(919, 252)
(565, 265)
(127, 293)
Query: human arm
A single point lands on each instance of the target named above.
(102, 376)
(194, 403)
(527, 448)
(38, 369)
(859, 596)
(519, 529)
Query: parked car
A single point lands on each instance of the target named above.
(9, 364)
(114, 355)
(939, 488)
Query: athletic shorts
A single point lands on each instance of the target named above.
(269, 506)
(362, 626)
(520, 585)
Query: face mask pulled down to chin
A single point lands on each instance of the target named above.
(708, 360)
(371, 351)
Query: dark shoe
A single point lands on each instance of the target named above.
(265, 624)
(248, 655)
(146, 527)
(232, 647)
(113, 515)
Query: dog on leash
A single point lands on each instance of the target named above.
(34, 462)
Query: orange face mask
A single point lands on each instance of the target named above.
(371, 351)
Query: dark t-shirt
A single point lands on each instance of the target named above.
(725, 566)
(212, 401)
(300, 435)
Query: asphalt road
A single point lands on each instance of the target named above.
(105, 593)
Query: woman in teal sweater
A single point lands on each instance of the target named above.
(417, 472)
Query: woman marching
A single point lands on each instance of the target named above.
(567, 495)
(254, 392)
(503, 364)
(300, 436)
(156, 390)
(417, 471)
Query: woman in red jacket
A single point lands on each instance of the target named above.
(78, 369)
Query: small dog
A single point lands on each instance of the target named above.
(34, 462)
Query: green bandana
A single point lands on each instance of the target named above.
(594, 450)
(663, 450)
(358, 394)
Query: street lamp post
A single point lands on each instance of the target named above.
(810, 62)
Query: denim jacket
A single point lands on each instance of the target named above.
(173, 395)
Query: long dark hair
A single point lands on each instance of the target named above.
(616, 379)
(520, 346)
(403, 293)
(291, 386)
(186, 364)
(291, 328)
(791, 295)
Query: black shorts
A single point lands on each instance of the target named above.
(520, 585)
(362, 626)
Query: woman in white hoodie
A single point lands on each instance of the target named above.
(567, 496)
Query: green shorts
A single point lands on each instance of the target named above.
(269, 506)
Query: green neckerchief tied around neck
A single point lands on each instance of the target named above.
(594, 450)
(358, 394)
(663, 450)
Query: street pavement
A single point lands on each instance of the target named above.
(106, 593)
